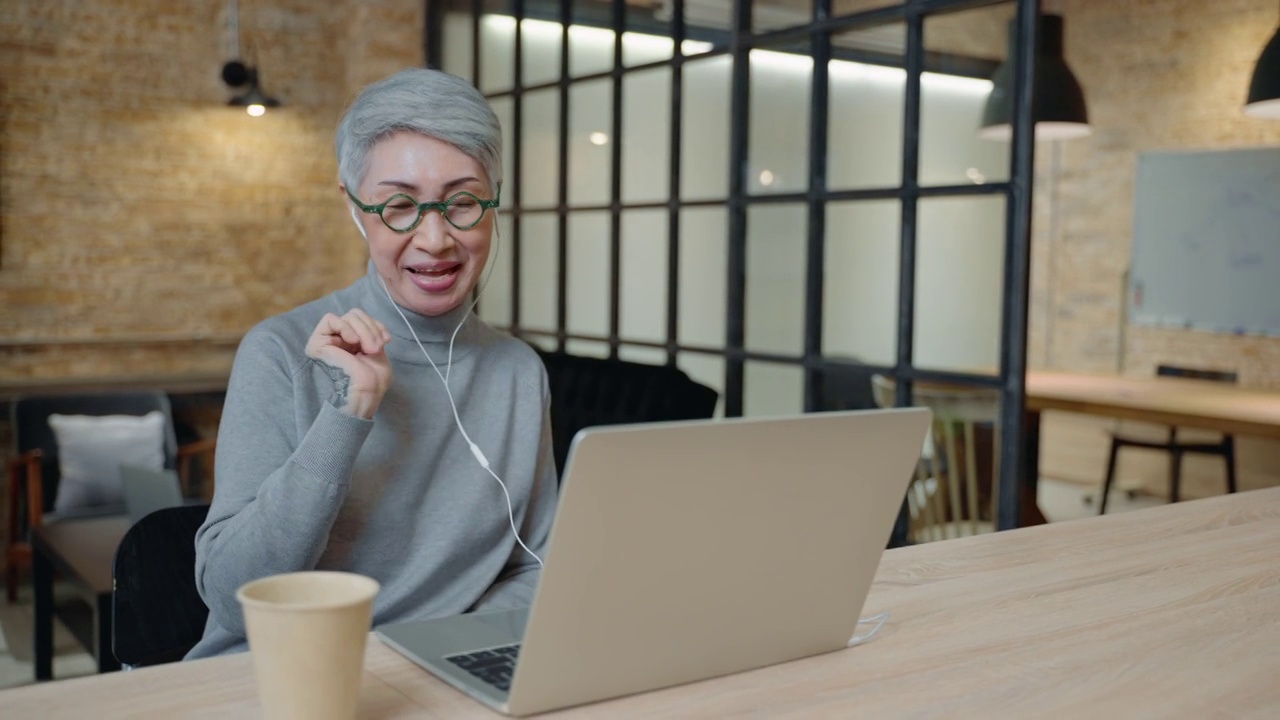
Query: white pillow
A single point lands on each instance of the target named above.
(91, 449)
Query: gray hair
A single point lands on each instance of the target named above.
(421, 100)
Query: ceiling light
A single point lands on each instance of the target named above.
(1264, 87)
(238, 74)
(1059, 111)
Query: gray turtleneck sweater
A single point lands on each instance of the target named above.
(300, 485)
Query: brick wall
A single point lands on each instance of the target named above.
(144, 225)
(1158, 75)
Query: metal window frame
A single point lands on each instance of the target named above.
(737, 44)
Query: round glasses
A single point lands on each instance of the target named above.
(402, 213)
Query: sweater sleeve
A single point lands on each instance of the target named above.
(515, 587)
(276, 495)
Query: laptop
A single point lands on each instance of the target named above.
(149, 489)
(688, 550)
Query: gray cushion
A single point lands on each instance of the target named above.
(91, 449)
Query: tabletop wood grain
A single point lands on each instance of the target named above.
(1167, 612)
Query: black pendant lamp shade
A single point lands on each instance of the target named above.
(237, 74)
(1059, 111)
(1264, 89)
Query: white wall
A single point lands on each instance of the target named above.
(960, 240)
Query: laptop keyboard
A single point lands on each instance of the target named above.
(494, 665)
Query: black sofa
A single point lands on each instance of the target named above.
(588, 391)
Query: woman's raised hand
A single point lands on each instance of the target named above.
(352, 349)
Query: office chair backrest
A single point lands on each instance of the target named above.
(30, 423)
(847, 385)
(157, 613)
(1196, 374)
(588, 391)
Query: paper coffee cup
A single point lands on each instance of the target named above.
(307, 634)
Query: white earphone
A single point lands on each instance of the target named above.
(444, 378)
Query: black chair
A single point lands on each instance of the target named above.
(1226, 447)
(588, 391)
(846, 385)
(34, 471)
(157, 614)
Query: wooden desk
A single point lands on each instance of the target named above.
(1168, 612)
(1167, 401)
(83, 550)
(1170, 401)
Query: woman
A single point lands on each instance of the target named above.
(338, 447)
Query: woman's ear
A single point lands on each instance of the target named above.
(355, 218)
(355, 215)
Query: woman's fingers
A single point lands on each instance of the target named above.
(338, 330)
(354, 332)
(372, 334)
(375, 325)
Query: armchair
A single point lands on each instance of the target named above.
(34, 471)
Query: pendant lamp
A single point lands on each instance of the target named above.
(1059, 110)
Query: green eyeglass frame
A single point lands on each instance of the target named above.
(441, 207)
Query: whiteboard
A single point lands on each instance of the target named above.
(1206, 241)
